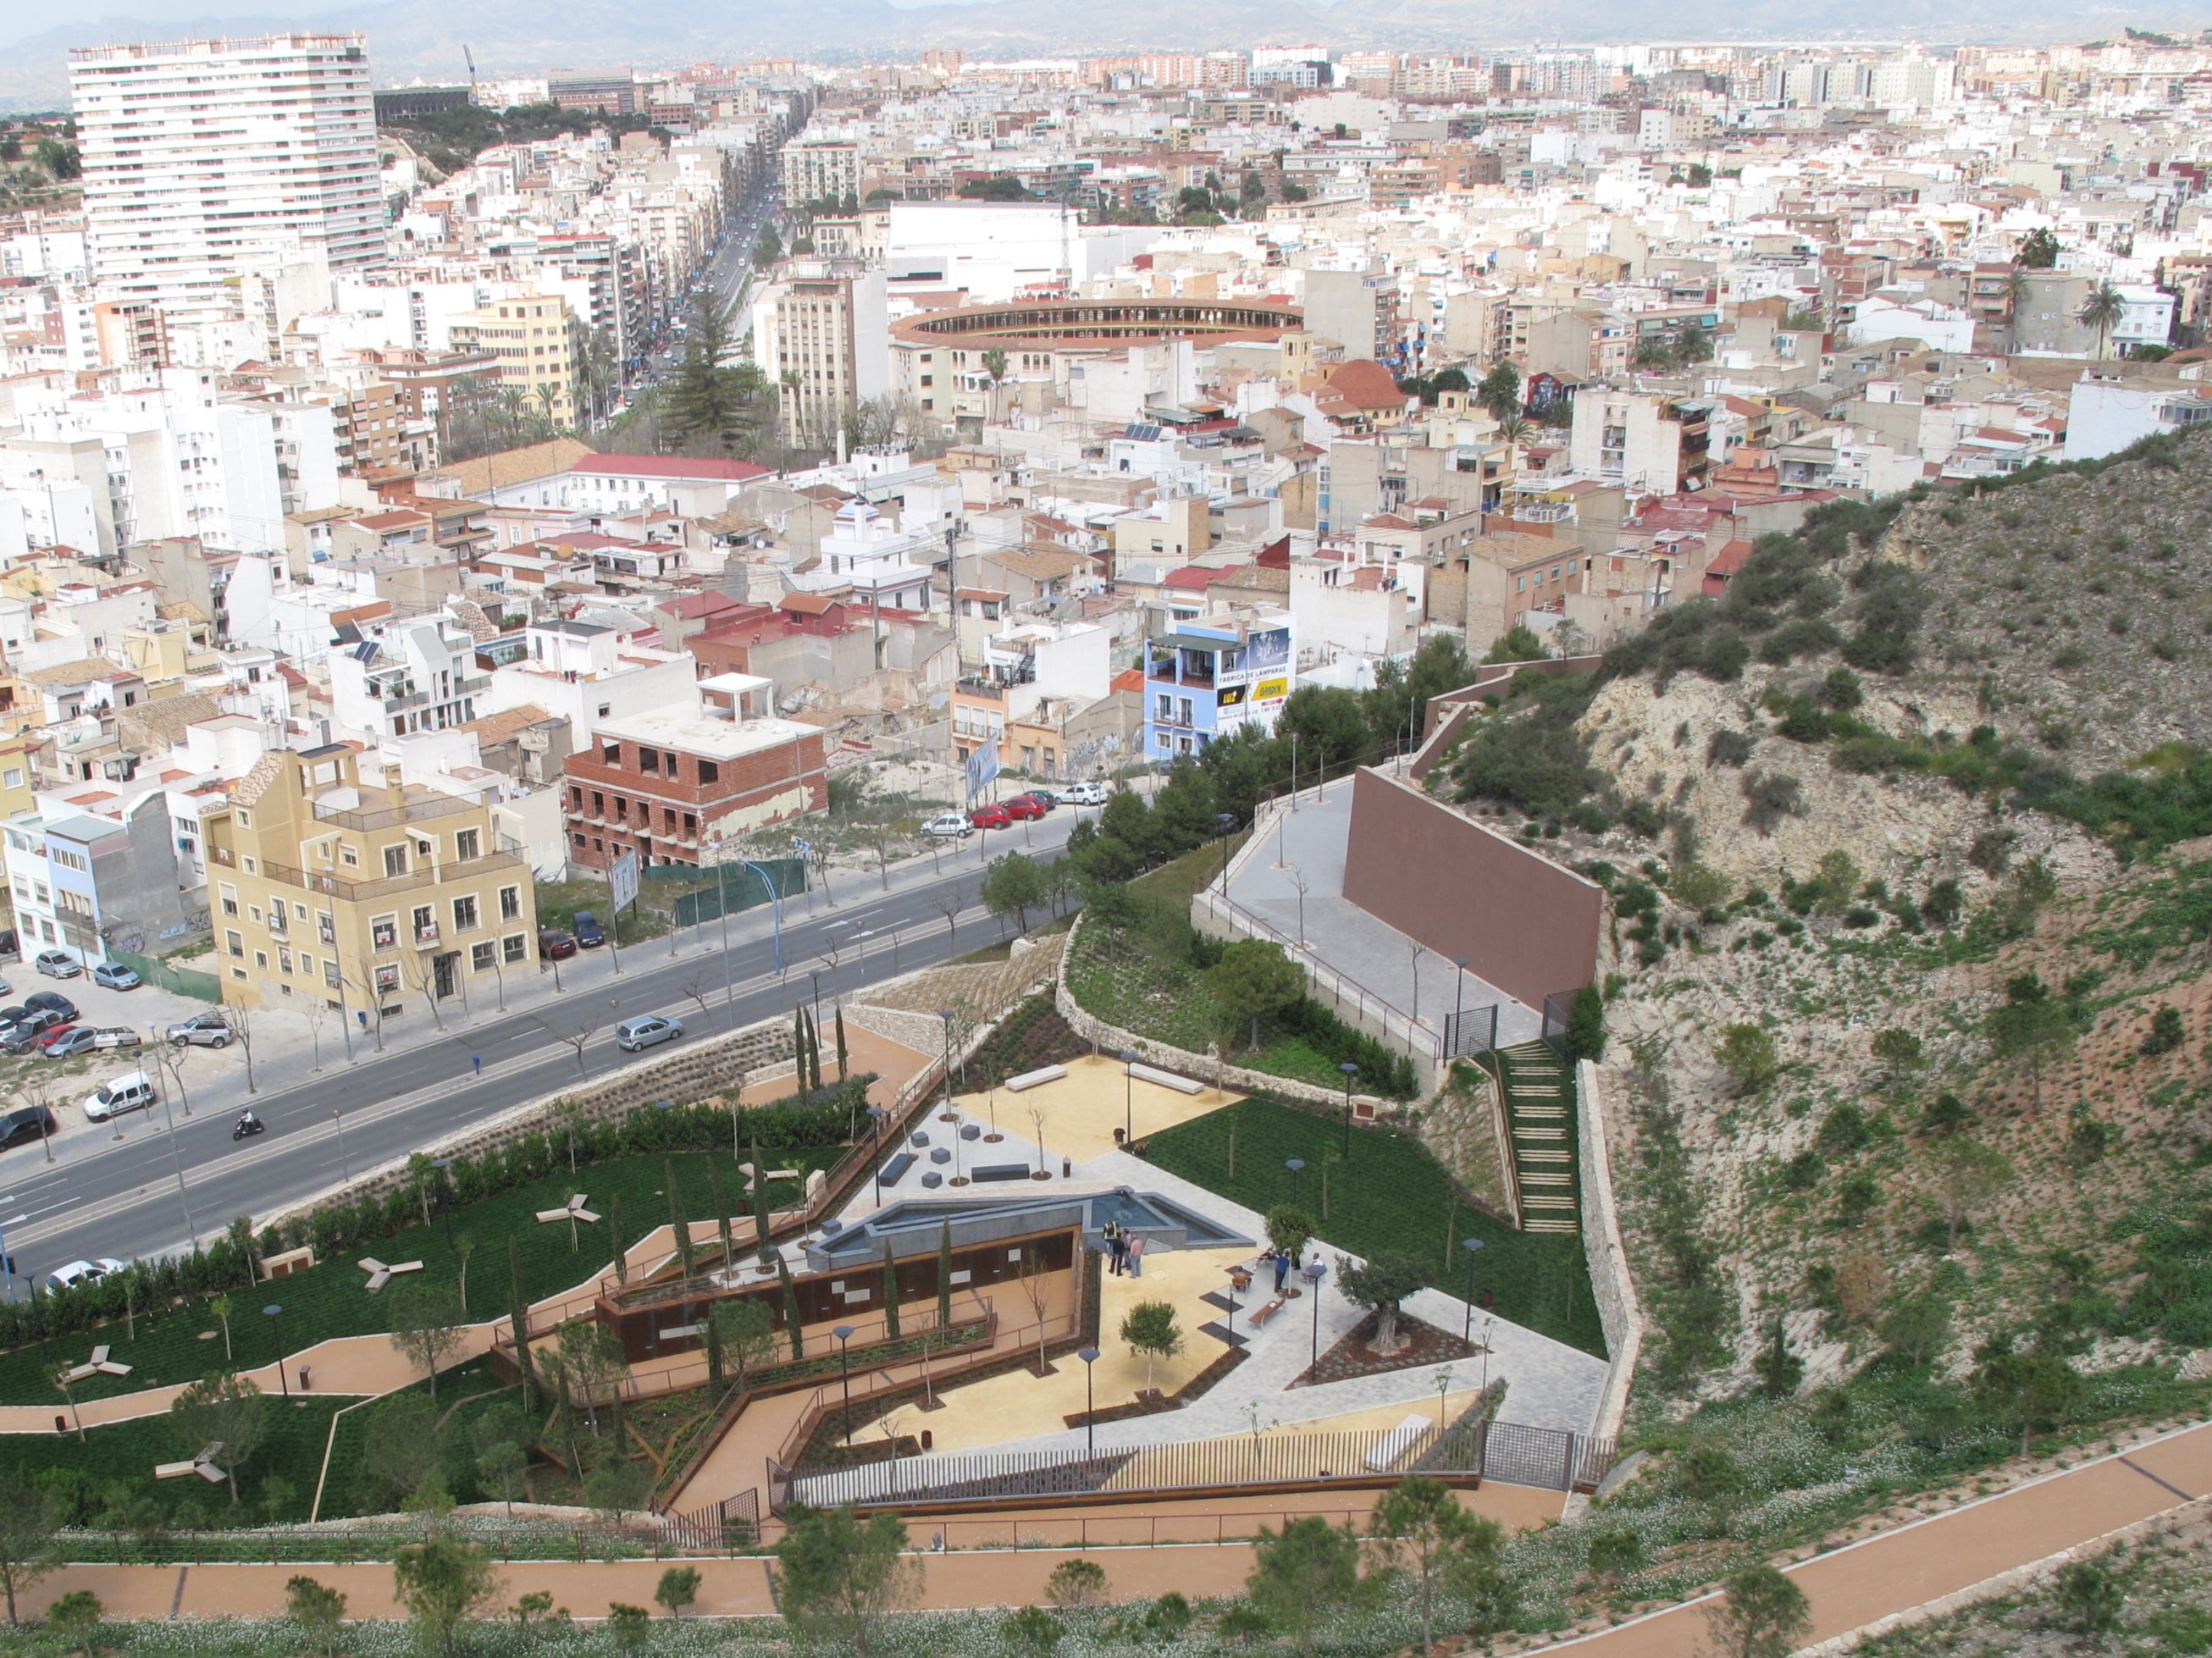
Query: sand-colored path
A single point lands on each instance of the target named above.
(978, 1568)
(1895, 1572)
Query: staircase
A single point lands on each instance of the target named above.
(1540, 1116)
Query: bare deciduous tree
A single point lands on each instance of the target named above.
(239, 1021)
(577, 1030)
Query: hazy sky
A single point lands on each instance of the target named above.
(19, 22)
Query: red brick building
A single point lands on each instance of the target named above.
(673, 788)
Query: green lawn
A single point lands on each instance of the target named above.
(185, 1343)
(1391, 1195)
(1181, 878)
(127, 1452)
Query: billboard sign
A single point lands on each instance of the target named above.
(982, 770)
(1266, 651)
(621, 879)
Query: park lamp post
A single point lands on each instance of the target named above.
(844, 1334)
(1350, 1070)
(273, 1312)
(1473, 1248)
(1459, 1011)
(877, 1114)
(1296, 1166)
(1314, 1271)
(1128, 1099)
(1090, 1356)
(948, 1015)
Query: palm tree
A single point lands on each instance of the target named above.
(2102, 311)
(994, 370)
(1513, 431)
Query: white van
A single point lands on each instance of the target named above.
(131, 1092)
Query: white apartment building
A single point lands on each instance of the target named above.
(883, 565)
(587, 674)
(418, 675)
(203, 157)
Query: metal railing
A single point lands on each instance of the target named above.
(1471, 1450)
(1471, 1032)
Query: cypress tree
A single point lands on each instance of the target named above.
(712, 1336)
(840, 1042)
(890, 1291)
(944, 1276)
(615, 1238)
(790, 1308)
(721, 1211)
(676, 1223)
(517, 1306)
(760, 1207)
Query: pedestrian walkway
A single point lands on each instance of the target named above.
(1896, 1571)
(1539, 1114)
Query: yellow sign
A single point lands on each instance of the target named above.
(1271, 690)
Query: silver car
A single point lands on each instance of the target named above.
(635, 1035)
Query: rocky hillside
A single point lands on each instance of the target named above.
(1907, 929)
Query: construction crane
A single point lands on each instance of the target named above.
(472, 60)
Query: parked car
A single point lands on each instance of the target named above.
(57, 964)
(8, 945)
(82, 1271)
(201, 1030)
(29, 1122)
(1079, 794)
(1041, 800)
(27, 1018)
(131, 1092)
(635, 1035)
(68, 1042)
(990, 817)
(554, 945)
(52, 1001)
(1021, 808)
(116, 976)
(117, 1035)
(949, 825)
(589, 933)
(6, 989)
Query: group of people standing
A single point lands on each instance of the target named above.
(1126, 1247)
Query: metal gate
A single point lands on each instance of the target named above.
(1472, 1032)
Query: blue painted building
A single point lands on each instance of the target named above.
(1206, 679)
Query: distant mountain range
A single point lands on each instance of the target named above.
(411, 38)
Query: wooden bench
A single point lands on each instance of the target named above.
(1036, 1079)
(1260, 1315)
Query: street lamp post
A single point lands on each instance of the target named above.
(7, 1261)
(815, 975)
(1090, 1356)
(1296, 1166)
(775, 899)
(273, 1311)
(948, 1015)
(1128, 1099)
(1350, 1070)
(1473, 1248)
(844, 1334)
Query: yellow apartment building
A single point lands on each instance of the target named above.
(379, 898)
(540, 347)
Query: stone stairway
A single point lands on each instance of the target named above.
(1539, 1115)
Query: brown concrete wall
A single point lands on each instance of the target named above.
(1523, 923)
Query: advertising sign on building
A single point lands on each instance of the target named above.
(622, 880)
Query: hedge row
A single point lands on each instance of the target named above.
(819, 1117)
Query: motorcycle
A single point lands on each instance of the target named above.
(247, 1127)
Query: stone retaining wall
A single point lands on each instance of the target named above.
(1619, 1310)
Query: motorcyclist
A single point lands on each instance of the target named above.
(248, 1124)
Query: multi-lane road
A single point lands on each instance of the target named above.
(122, 1199)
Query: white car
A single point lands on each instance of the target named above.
(948, 826)
(1079, 794)
(83, 1271)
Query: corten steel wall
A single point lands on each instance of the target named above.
(1523, 923)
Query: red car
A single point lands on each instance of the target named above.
(1022, 806)
(991, 817)
(48, 1038)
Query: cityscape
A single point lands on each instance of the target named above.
(1355, 846)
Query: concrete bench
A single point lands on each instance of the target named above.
(202, 1464)
(932, 1179)
(940, 1154)
(746, 1169)
(572, 1210)
(1147, 1074)
(895, 1166)
(1036, 1079)
(1396, 1443)
(379, 1274)
(1260, 1315)
(991, 1171)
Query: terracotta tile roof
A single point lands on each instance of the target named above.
(511, 466)
(1363, 383)
(499, 727)
(258, 780)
